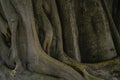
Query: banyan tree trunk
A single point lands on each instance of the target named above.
(59, 40)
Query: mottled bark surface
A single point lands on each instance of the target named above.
(59, 40)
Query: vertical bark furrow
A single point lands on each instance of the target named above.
(95, 39)
(70, 31)
(41, 14)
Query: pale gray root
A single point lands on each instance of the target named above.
(57, 26)
(12, 19)
(22, 43)
(38, 61)
(114, 31)
(5, 74)
(70, 31)
(55, 21)
(41, 12)
(47, 27)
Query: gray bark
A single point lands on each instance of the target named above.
(59, 40)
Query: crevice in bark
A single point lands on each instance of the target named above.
(5, 52)
(69, 28)
(5, 30)
(44, 24)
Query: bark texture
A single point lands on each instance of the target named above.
(59, 40)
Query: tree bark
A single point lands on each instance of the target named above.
(59, 40)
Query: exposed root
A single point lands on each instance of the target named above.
(25, 75)
(82, 67)
(47, 27)
(42, 12)
(38, 61)
(12, 19)
(91, 77)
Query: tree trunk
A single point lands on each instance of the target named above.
(59, 40)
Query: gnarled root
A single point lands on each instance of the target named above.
(12, 19)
